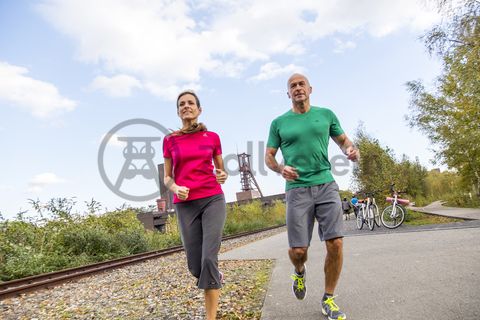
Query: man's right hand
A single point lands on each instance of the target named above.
(289, 173)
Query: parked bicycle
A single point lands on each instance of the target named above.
(368, 212)
(394, 215)
(376, 212)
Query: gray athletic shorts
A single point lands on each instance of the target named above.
(304, 205)
(201, 224)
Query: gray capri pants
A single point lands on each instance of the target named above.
(201, 224)
(304, 205)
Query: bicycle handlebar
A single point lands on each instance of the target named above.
(392, 189)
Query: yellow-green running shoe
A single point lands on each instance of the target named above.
(298, 286)
(331, 310)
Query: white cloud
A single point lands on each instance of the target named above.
(40, 181)
(231, 69)
(155, 41)
(116, 86)
(170, 92)
(167, 44)
(341, 46)
(272, 70)
(42, 99)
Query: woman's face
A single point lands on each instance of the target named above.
(187, 107)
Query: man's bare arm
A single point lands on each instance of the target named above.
(289, 173)
(347, 147)
(270, 160)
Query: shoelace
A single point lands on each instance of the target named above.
(300, 283)
(329, 301)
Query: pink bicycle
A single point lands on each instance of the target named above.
(394, 215)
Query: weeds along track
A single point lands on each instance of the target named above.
(51, 279)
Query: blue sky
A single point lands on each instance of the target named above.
(72, 70)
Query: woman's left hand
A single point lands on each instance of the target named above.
(221, 176)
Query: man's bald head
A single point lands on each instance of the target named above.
(297, 76)
(299, 90)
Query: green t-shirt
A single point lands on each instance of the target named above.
(303, 139)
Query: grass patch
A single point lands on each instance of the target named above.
(470, 203)
(456, 200)
(242, 298)
(415, 218)
(253, 216)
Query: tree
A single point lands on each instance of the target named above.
(440, 184)
(411, 177)
(450, 116)
(376, 167)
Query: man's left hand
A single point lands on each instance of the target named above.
(352, 153)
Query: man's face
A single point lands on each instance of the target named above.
(299, 89)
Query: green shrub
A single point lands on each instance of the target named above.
(421, 201)
(133, 241)
(252, 216)
(92, 241)
(29, 247)
(462, 200)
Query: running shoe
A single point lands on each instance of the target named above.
(298, 286)
(331, 310)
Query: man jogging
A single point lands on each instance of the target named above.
(302, 134)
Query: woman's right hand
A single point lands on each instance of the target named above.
(182, 192)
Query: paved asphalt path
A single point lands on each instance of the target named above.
(437, 209)
(410, 273)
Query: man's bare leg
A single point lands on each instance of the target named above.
(333, 264)
(298, 256)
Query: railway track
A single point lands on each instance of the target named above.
(51, 279)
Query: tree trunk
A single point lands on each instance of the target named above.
(477, 187)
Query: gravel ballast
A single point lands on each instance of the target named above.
(156, 289)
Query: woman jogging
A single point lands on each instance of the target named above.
(198, 197)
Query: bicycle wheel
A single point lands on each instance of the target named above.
(359, 219)
(376, 212)
(393, 216)
(370, 218)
